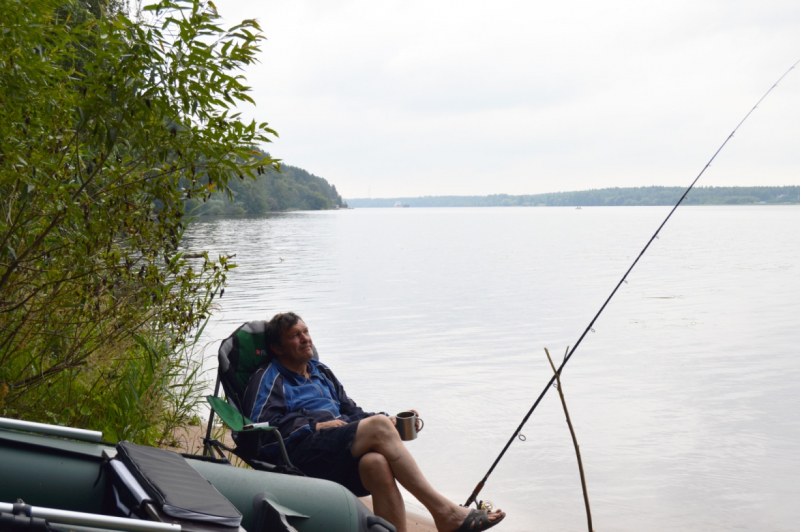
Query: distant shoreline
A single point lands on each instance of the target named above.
(633, 196)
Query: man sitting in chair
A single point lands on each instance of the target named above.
(328, 436)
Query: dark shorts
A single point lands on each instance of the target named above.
(326, 455)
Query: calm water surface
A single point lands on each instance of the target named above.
(685, 399)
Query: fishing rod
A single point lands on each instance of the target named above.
(482, 483)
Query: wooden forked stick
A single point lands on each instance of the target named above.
(574, 439)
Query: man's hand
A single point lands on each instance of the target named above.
(393, 419)
(330, 424)
(419, 421)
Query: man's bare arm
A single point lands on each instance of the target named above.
(330, 424)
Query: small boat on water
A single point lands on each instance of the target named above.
(62, 472)
(401, 204)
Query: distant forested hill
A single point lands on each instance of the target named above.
(604, 197)
(291, 189)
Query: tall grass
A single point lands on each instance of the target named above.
(139, 389)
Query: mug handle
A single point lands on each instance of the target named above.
(421, 424)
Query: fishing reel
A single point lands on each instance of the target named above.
(486, 505)
(482, 505)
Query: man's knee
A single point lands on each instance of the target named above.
(375, 472)
(376, 433)
(380, 426)
(380, 429)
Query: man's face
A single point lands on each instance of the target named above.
(296, 345)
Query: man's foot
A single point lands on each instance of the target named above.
(464, 519)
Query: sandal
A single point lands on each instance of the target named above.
(477, 520)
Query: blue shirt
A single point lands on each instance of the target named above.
(295, 404)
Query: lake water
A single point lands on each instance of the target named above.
(685, 399)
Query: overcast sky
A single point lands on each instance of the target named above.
(413, 98)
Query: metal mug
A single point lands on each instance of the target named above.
(407, 425)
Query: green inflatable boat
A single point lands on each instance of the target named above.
(62, 478)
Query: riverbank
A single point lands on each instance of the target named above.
(415, 522)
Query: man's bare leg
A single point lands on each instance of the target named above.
(377, 477)
(378, 434)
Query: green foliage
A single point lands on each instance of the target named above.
(605, 197)
(107, 125)
(137, 390)
(289, 188)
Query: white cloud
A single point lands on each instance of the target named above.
(420, 98)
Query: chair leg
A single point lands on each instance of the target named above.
(207, 450)
(284, 454)
(211, 445)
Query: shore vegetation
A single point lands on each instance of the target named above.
(109, 122)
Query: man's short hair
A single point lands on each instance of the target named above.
(276, 326)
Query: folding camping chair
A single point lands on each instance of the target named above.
(240, 355)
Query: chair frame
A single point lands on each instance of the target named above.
(212, 445)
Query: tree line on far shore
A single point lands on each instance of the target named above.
(291, 188)
(634, 196)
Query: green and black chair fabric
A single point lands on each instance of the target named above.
(240, 355)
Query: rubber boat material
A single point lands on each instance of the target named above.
(47, 472)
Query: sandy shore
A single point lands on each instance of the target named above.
(190, 441)
(416, 523)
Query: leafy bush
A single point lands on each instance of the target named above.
(106, 126)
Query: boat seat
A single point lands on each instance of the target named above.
(152, 483)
